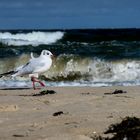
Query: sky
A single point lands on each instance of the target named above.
(69, 14)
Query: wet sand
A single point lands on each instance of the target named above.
(73, 113)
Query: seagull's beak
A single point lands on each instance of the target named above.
(52, 56)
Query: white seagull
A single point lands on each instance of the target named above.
(34, 67)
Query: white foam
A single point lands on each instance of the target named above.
(14, 84)
(32, 38)
(91, 72)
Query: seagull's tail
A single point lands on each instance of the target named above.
(32, 56)
(8, 73)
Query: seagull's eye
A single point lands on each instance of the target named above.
(47, 53)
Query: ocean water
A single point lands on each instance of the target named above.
(93, 57)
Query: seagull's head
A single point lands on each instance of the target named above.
(46, 53)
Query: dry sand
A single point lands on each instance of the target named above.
(87, 112)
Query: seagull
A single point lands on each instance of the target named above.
(34, 67)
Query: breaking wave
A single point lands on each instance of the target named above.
(34, 38)
(82, 71)
(83, 57)
(94, 70)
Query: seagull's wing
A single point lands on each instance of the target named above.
(15, 71)
(33, 66)
(7, 73)
(12, 72)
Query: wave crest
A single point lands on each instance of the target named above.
(89, 71)
(34, 38)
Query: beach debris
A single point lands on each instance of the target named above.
(58, 113)
(44, 92)
(18, 135)
(116, 92)
(128, 128)
(86, 93)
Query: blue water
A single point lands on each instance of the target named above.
(94, 57)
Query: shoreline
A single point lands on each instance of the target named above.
(84, 112)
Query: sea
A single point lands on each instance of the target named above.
(83, 57)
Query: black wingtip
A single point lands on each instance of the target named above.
(7, 73)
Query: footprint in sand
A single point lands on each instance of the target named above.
(4, 108)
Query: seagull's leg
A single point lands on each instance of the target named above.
(41, 83)
(33, 82)
(33, 79)
(34, 85)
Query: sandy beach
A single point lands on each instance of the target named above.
(72, 113)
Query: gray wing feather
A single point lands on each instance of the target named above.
(31, 67)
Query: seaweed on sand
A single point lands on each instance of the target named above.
(128, 129)
(58, 113)
(45, 92)
(116, 92)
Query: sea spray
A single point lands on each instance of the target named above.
(82, 57)
(85, 70)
